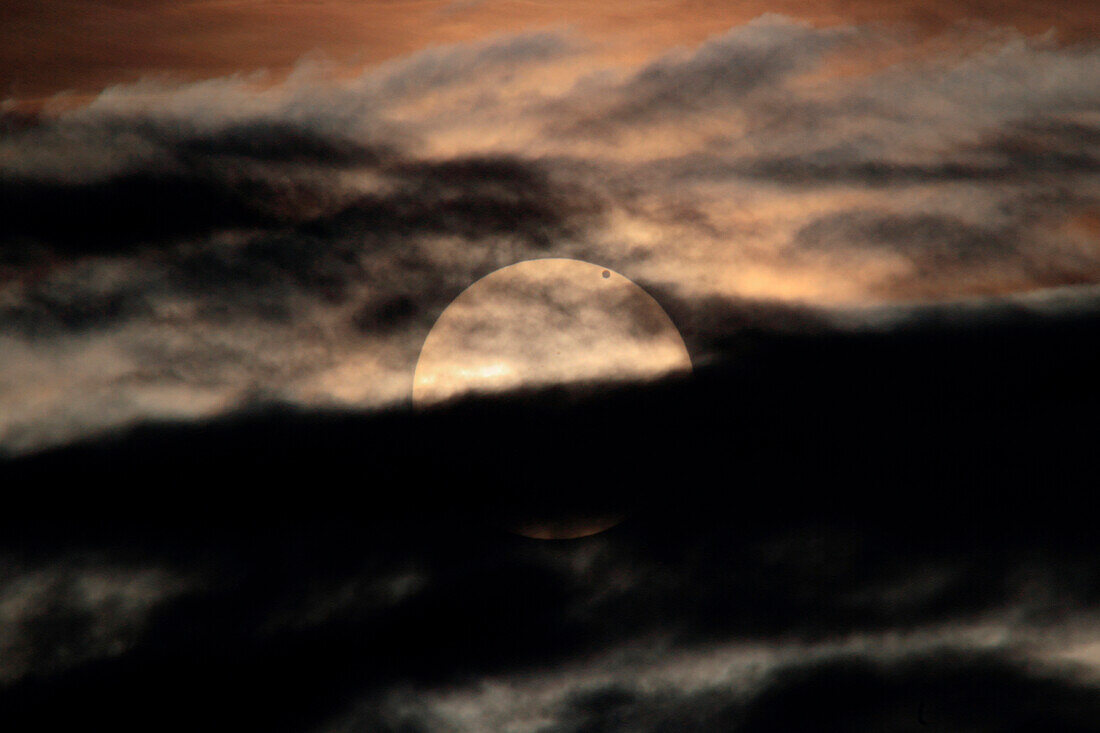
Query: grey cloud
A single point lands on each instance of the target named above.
(1015, 110)
(932, 242)
(916, 683)
(1016, 154)
(80, 298)
(950, 690)
(721, 72)
(447, 66)
(939, 248)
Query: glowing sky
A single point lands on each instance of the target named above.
(238, 202)
(47, 47)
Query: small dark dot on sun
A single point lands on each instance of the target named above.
(606, 274)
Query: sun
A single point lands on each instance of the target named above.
(540, 323)
(546, 322)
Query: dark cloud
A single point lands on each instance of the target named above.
(470, 198)
(387, 314)
(245, 214)
(240, 178)
(710, 326)
(403, 615)
(280, 142)
(258, 175)
(860, 499)
(136, 211)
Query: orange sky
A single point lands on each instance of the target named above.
(50, 46)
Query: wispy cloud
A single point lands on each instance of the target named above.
(228, 239)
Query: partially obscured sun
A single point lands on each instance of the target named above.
(541, 323)
(544, 322)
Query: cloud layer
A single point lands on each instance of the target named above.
(187, 250)
(421, 628)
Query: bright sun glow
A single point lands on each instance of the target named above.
(543, 322)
